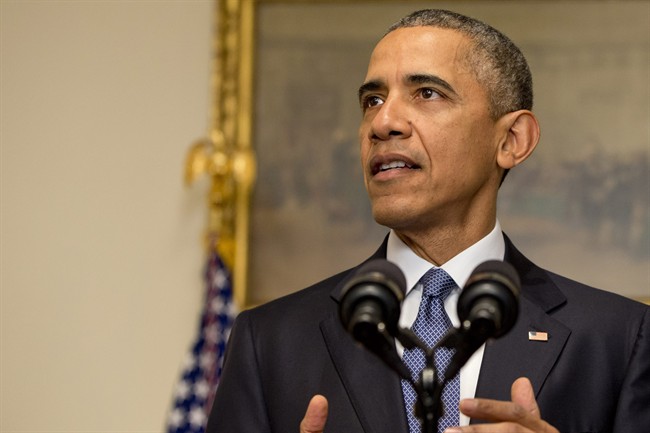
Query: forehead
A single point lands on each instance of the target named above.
(420, 49)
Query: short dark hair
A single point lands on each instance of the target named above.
(498, 63)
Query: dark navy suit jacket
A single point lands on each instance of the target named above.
(592, 375)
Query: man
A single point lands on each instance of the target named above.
(446, 113)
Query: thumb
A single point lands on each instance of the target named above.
(523, 395)
(316, 415)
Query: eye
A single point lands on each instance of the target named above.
(371, 101)
(428, 93)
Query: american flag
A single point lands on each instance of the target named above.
(195, 391)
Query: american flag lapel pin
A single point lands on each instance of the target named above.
(537, 336)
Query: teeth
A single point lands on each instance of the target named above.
(393, 164)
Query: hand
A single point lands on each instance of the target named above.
(521, 415)
(315, 416)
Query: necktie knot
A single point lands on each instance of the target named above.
(437, 283)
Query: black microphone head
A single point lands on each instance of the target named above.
(492, 282)
(373, 296)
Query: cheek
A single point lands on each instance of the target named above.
(477, 138)
(361, 137)
(364, 126)
(365, 145)
(364, 149)
(461, 155)
(479, 158)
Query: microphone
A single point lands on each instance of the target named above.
(370, 309)
(487, 307)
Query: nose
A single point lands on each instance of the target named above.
(390, 121)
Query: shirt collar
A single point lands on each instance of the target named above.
(491, 247)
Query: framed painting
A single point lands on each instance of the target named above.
(579, 206)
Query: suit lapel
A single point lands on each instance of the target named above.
(373, 389)
(515, 355)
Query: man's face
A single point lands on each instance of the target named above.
(428, 143)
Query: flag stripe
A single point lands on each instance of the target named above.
(195, 391)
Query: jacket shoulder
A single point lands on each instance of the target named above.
(303, 306)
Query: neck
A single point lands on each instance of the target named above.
(439, 244)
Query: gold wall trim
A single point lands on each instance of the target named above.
(226, 153)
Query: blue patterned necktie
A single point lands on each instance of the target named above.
(430, 325)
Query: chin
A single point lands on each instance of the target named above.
(394, 217)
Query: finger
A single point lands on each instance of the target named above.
(511, 416)
(523, 395)
(494, 410)
(490, 428)
(315, 416)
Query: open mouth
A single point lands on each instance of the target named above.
(393, 165)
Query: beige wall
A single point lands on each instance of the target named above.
(101, 253)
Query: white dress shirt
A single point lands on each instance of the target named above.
(459, 268)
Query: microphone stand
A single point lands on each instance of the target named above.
(429, 387)
(465, 341)
(428, 407)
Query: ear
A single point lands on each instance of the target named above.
(521, 134)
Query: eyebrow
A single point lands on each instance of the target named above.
(375, 85)
(369, 86)
(430, 79)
